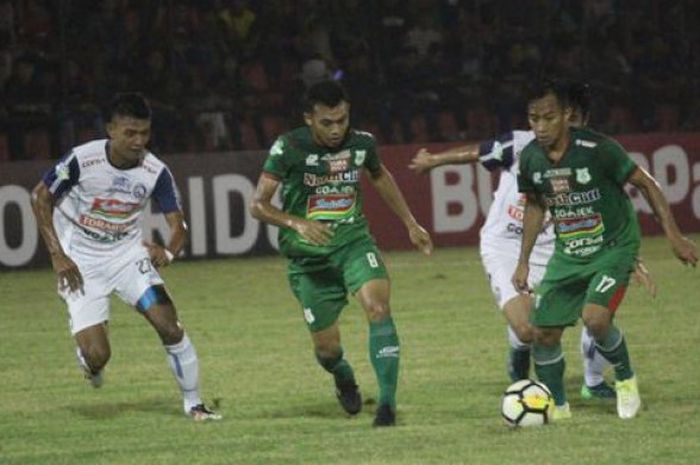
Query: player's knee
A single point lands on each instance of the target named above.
(171, 333)
(327, 352)
(524, 332)
(546, 337)
(597, 326)
(96, 356)
(377, 311)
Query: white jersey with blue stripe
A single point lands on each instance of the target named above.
(99, 206)
(504, 222)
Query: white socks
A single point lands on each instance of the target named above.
(593, 363)
(185, 366)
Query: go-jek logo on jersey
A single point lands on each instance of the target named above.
(113, 208)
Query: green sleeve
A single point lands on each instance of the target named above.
(525, 184)
(616, 161)
(372, 161)
(277, 161)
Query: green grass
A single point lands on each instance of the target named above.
(278, 404)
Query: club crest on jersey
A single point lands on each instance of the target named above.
(139, 191)
(537, 177)
(360, 156)
(583, 176)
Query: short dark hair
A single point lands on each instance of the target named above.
(580, 98)
(130, 104)
(328, 93)
(557, 87)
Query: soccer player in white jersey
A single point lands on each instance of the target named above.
(500, 239)
(89, 209)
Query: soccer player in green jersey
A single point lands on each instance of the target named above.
(579, 175)
(325, 236)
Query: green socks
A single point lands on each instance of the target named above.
(614, 349)
(338, 367)
(384, 355)
(549, 366)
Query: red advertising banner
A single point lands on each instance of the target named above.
(451, 201)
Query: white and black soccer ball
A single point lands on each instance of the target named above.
(527, 403)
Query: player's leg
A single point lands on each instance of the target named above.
(366, 277)
(139, 284)
(605, 293)
(516, 309)
(520, 336)
(549, 362)
(322, 296)
(594, 365)
(89, 313)
(384, 349)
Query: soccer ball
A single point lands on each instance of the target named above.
(527, 403)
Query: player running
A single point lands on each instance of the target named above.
(89, 209)
(325, 236)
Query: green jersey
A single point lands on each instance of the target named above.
(322, 184)
(584, 193)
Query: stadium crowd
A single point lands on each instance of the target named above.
(227, 74)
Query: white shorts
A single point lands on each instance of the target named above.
(499, 269)
(128, 275)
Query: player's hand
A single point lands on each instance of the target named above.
(420, 238)
(158, 255)
(642, 277)
(685, 250)
(422, 162)
(315, 232)
(69, 276)
(519, 279)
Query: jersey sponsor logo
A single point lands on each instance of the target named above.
(105, 238)
(583, 176)
(515, 229)
(573, 198)
(560, 185)
(516, 213)
(569, 228)
(92, 162)
(330, 207)
(337, 166)
(103, 225)
(557, 173)
(312, 160)
(586, 143)
(583, 246)
(113, 208)
(579, 212)
(314, 180)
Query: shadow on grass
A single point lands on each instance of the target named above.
(104, 411)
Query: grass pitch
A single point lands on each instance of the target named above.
(279, 407)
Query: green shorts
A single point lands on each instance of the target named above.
(568, 285)
(321, 284)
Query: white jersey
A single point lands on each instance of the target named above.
(99, 206)
(503, 228)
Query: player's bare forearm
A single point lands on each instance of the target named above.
(42, 206)
(389, 191)
(424, 161)
(533, 219)
(652, 192)
(178, 232)
(262, 209)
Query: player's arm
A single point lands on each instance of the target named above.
(532, 225)
(384, 183)
(163, 256)
(425, 161)
(261, 208)
(67, 271)
(682, 247)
